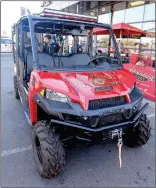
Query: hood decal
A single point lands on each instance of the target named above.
(105, 88)
(99, 81)
(83, 87)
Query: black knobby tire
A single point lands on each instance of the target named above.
(16, 88)
(139, 135)
(48, 149)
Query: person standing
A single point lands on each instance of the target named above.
(46, 44)
(53, 49)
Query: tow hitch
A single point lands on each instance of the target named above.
(117, 133)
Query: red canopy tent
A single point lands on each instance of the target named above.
(120, 30)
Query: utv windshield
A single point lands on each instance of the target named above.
(72, 46)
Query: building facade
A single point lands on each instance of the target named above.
(140, 14)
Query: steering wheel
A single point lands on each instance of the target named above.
(95, 60)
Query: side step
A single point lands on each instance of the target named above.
(20, 98)
(27, 116)
(26, 112)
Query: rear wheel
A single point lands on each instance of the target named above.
(16, 87)
(139, 135)
(48, 149)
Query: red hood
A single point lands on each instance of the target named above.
(81, 86)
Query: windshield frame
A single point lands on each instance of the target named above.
(33, 20)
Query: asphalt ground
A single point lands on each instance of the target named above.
(96, 166)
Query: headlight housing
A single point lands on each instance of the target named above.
(56, 96)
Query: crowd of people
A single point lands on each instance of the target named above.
(53, 45)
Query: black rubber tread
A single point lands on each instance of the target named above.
(53, 153)
(139, 135)
(16, 87)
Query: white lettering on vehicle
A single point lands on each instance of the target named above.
(145, 76)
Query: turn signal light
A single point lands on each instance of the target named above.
(42, 92)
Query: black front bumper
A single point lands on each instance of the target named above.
(118, 125)
(73, 115)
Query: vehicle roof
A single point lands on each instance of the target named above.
(39, 18)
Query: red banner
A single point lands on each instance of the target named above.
(145, 79)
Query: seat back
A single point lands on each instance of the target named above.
(62, 61)
(28, 58)
(50, 62)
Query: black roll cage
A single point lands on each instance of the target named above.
(32, 20)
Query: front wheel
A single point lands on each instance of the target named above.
(48, 149)
(139, 135)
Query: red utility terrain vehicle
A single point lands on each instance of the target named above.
(68, 93)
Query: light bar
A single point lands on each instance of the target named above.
(66, 15)
(137, 3)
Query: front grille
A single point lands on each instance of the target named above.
(116, 118)
(107, 102)
(83, 120)
(111, 119)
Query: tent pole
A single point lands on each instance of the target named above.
(95, 36)
(94, 45)
(120, 40)
(111, 22)
(142, 25)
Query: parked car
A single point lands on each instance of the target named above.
(6, 44)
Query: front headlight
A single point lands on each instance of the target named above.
(53, 95)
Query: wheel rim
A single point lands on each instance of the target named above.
(38, 149)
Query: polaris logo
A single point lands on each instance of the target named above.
(105, 88)
(113, 111)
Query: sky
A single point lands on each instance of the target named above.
(10, 12)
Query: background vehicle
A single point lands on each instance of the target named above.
(73, 95)
(6, 44)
